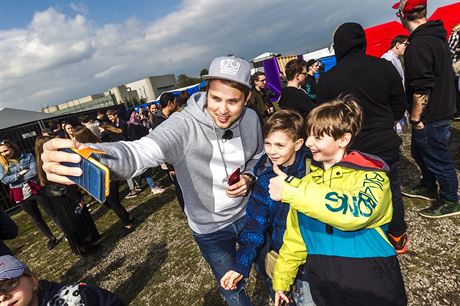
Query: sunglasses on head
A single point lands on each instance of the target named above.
(9, 285)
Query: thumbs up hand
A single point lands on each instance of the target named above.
(275, 188)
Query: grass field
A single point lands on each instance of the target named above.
(159, 263)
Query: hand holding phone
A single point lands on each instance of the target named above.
(95, 179)
(234, 177)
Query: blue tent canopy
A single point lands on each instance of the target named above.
(189, 89)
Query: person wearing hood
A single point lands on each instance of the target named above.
(338, 216)
(214, 136)
(378, 89)
(431, 93)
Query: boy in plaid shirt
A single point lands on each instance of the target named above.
(283, 140)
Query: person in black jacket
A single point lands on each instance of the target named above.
(118, 122)
(8, 230)
(168, 106)
(293, 96)
(310, 83)
(19, 286)
(431, 92)
(378, 89)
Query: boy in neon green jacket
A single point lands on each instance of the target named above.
(339, 215)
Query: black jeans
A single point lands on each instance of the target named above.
(113, 202)
(398, 225)
(30, 206)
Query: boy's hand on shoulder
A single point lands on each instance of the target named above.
(275, 188)
(230, 280)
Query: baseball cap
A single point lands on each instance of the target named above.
(230, 68)
(408, 5)
(10, 267)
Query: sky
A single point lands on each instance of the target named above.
(53, 51)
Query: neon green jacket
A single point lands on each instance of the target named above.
(353, 198)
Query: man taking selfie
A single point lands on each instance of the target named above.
(206, 142)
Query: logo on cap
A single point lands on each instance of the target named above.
(229, 66)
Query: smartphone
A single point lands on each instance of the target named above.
(95, 179)
(234, 177)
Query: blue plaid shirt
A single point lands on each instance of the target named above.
(263, 214)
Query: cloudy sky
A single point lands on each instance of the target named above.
(53, 51)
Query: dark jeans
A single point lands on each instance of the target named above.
(30, 206)
(219, 249)
(430, 150)
(179, 196)
(398, 225)
(457, 97)
(113, 202)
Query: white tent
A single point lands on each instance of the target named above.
(10, 117)
(319, 54)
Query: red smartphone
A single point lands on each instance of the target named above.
(234, 177)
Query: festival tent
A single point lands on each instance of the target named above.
(449, 14)
(189, 89)
(380, 36)
(10, 117)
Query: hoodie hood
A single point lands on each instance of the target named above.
(196, 107)
(348, 39)
(363, 161)
(431, 28)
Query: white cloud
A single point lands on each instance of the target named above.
(80, 8)
(110, 71)
(60, 57)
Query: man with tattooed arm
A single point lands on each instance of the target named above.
(431, 93)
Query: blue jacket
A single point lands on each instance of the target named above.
(264, 214)
(12, 178)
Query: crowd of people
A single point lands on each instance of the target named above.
(318, 177)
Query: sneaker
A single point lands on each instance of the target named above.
(442, 208)
(157, 190)
(457, 118)
(137, 189)
(399, 243)
(52, 243)
(131, 194)
(420, 192)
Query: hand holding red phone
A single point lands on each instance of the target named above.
(238, 185)
(234, 177)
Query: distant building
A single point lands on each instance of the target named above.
(81, 104)
(149, 89)
(152, 87)
(122, 94)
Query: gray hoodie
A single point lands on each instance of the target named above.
(193, 144)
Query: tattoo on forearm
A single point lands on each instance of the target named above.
(423, 100)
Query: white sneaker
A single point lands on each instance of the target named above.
(157, 190)
(131, 194)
